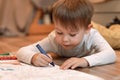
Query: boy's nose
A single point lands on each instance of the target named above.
(65, 39)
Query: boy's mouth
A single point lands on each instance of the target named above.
(67, 46)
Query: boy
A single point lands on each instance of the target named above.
(73, 37)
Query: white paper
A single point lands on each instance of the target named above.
(29, 72)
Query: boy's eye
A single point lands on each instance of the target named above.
(72, 35)
(60, 33)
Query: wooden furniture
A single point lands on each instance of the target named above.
(108, 72)
(106, 12)
(37, 28)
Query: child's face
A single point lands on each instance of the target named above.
(67, 38)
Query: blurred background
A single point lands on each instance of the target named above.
(23, 22)
(23, 17)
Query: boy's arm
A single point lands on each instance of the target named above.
(26, 53)
(104, 54)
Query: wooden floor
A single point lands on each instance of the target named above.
(10, 44)
(108, 72)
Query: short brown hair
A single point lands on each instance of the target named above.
(73, 13)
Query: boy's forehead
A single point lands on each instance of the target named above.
(68, 26)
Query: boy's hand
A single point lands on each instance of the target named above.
(41, 60)
(73, 63)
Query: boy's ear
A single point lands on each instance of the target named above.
(89, 28)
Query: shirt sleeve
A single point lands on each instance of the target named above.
(26, 53)
(104, 54)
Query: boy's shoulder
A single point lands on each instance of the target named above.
(52, 34)
(93, 31)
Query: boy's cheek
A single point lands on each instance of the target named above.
(58, 39)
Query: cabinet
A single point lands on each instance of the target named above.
(106, 12)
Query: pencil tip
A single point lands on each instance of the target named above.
(52, 63)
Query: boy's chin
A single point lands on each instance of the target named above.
(68, 48)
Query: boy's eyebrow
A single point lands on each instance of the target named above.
(74, 32)
(56, 28)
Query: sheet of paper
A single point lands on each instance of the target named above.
(29, 72)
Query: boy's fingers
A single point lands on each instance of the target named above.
(46, 58)
(40, 64)
(75, 66)
(43, 62)
(50, 56)
(67, 64)
(39, 61)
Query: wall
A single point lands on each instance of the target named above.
(106, 12)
